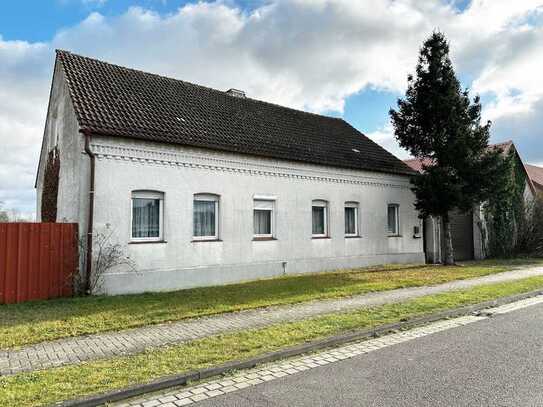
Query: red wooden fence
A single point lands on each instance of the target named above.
(37, 260)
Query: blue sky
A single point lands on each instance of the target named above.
(367, 110)
(48, 16)
(346, 58)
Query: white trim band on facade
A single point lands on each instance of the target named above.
(155, 157)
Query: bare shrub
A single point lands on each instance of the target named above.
(106, 256)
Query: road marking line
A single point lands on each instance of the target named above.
(295, 365)
(514, 306)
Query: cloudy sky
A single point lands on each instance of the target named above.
(346, 58)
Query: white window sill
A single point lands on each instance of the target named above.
(147, 241)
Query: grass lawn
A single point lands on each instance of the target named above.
(32, 322)
(48, 386)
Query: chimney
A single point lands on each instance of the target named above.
(236, 93)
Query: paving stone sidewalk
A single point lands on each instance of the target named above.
(185, 395)
(131, 341)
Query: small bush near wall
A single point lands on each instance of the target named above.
(106, 256)
(530, 236)
(50, 187)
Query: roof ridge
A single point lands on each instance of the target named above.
(60, 51)
(502, 143)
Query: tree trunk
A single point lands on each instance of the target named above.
(448, 258)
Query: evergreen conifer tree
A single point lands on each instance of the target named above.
(437, 122)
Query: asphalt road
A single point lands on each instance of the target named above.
(494, 362)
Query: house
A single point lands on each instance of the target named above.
(536, 175)
(203, 187)
(467, 229)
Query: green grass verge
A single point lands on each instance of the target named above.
(512, 262)
(48, 386)
(23, 324)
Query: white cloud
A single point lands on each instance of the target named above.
(385, 138)
(309, 54)
(525, 128)
(304, 54)
(515, 74)
(506, 54)
(24, 76)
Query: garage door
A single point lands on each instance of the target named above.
(462, 235)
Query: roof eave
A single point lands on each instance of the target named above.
(111, 133)
(46, 120)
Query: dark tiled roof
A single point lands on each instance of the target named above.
(112, 100)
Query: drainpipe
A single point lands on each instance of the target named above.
(92, 157)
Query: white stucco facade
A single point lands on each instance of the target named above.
(62, 132)
(124, 166)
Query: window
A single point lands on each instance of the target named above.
(206, 217)
(147, 215)
(351, 219)
(393, 219)
(319, 212)
(263, 220)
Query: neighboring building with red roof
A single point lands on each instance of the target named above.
(467, 227)
(536, 176)
(418, 163)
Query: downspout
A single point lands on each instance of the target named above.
(92, 157)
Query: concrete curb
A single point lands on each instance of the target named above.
(184, 378)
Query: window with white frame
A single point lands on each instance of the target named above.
(147, 216)
(351, 219)
(319, 214)
(263, 218)
(206, 217)
(393, 217)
